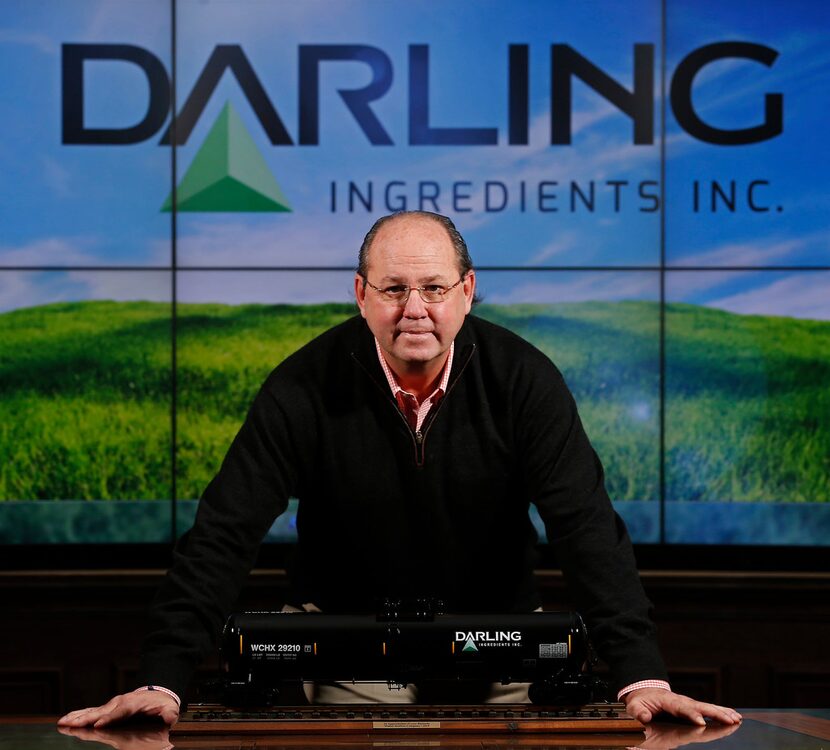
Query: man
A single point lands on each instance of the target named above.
(415, 437)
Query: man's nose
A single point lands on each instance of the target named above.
(415, 307)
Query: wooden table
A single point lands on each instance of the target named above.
(767, 729)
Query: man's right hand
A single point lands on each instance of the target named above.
(146, 703)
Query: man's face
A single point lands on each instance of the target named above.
(414, 251)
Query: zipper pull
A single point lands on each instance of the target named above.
(419, 437)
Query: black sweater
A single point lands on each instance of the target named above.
(383, 514)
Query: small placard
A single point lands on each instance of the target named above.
(406, 725)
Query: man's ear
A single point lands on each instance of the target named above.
(469, 287)
(360, 293)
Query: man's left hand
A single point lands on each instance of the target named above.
(645, 704)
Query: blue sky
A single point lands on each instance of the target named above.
(100, 205)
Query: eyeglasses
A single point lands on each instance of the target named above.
(399, 293)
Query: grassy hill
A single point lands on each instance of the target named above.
(748, 408)
(85, 409)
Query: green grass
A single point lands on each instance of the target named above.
(85, 409)
(85, 393)
(748, 407)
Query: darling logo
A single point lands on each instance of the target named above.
(229, 173)
(474, 640)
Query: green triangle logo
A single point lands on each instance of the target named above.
(469, 646)
(228, 173)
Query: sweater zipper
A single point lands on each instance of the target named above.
(419, 436)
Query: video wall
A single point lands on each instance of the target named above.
(642, 187)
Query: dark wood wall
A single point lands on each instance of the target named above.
(70, 638)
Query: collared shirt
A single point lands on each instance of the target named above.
(415, 412)
(661, 684)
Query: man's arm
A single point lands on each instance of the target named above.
(212, 560)
(210, 564)
(590, 541)
(594, 551)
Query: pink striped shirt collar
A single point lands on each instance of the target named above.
(405, 398)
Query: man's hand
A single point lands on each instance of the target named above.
(644, 704)
(149, 703)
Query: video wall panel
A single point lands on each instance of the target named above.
(746, 407)
(66, 199)
(86, 384)
(744, 142)
(640, 185)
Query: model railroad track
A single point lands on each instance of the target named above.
(390, 718)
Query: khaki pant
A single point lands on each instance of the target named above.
(379, 692)
(373, 692)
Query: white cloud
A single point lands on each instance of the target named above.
(584, 119)
(50, 251)
(80, 251)
(15, 291)
(258, 23)
(800, 295)
(109, 21)
(564, 243)
(572, 287)
(37, 41)
(122, 286)
(19, 289)
(307, 240)
(755, 253)
(265, 287)
(56, 176)
(683, 286)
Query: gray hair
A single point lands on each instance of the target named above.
(465, 263)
